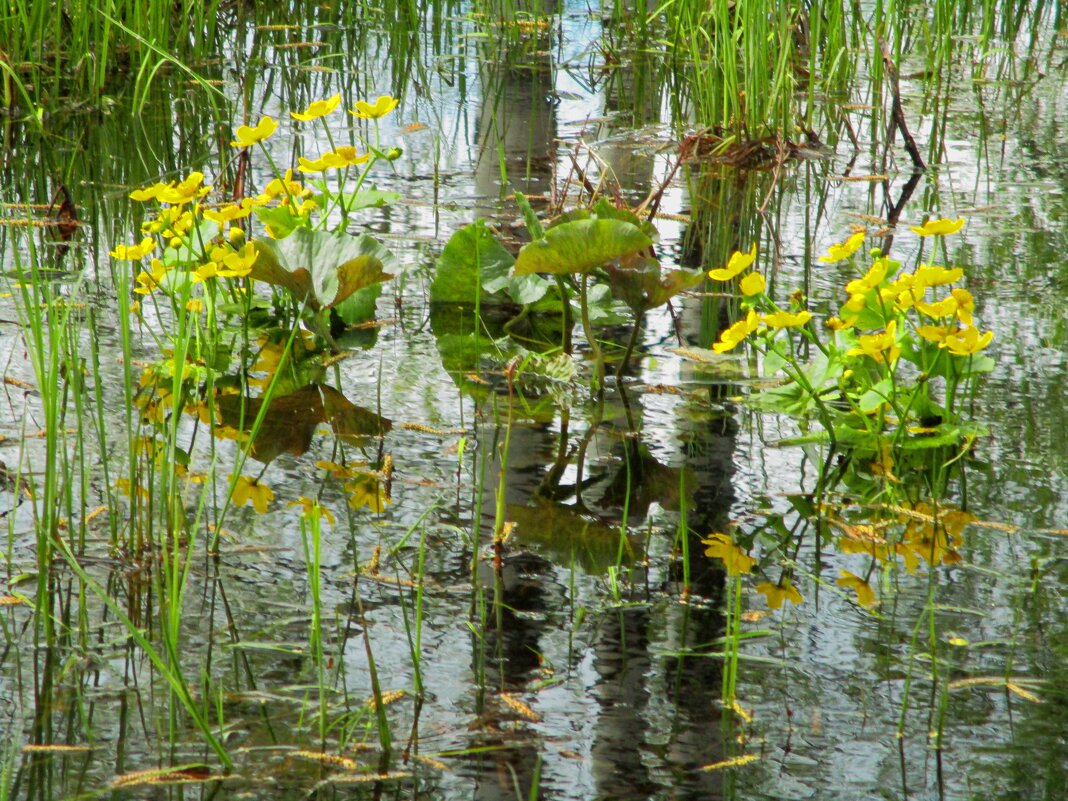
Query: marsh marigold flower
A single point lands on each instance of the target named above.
(247, 137)
(752, 284)
(967, 341)
(381, 107)
(736, 265)
(320, 108)
(784, 319)
(733, 336)
(134, 252)
(843, 251)
(942, 227)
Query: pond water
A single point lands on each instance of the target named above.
(595, 651)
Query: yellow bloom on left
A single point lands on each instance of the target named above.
(777, 593)
(845, 250)
(249, 489)
(736, 265)
(735, 560)
(320, 108)
(247, 137)
(942, 227)
(381, 107)
(134, 252)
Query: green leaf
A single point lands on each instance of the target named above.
(363, 199)
(321, 268)
(876, 396)
(359, 307)
(282, 221)
(471, 258)
(638, 282)
(581, 246)
(533, 224)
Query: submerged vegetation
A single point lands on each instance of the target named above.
(405, 398)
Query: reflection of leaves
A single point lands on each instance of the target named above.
(291, 420)
(320, 267)
(645, 481)
(566, 536)
(637, 281)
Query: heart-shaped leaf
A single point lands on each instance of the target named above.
(580, 246)
(321, 268)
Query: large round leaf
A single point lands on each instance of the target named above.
(581, 246)
(321, 268)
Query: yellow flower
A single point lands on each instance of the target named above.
(194, 305)
(965, 305)
(737, 264)
(148, 193)
(320, 108)
(865, 594)
(733, 336)
(227, 213)
(752, 284)
(149, 282)
(934, 275)
(783, 319)
(946, 307)
(311, 507)
(249, 489)
(722, 547)
(875, 275)
(844, 250)
(284, 188)
(881, 347)
(134, 252)
(238, 264)
(381, 107)
(934, 333)
(183, 192)
(942, 227)
(777, 593)
(837, 323)
(247, 137)
(344, 156)
(967, 341)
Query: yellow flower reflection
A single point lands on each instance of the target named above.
(249, 489)
(722, 547)
(942, 227)
(777, 593)
(247, 137)
(865, 594)
(320, 108)
(381, 107)
(736, 265)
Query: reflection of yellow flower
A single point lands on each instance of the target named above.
(737, 263)
(249, 489)
(733, 336)
(381, 107)
(247, 137)
(784, 319)
(752, 284)
(967, 341)
(865, 594)
(777, 593)
(844, 250)
(942, 227)
(320, 108)
(722, 547)
(134, 252)
(367, 491)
